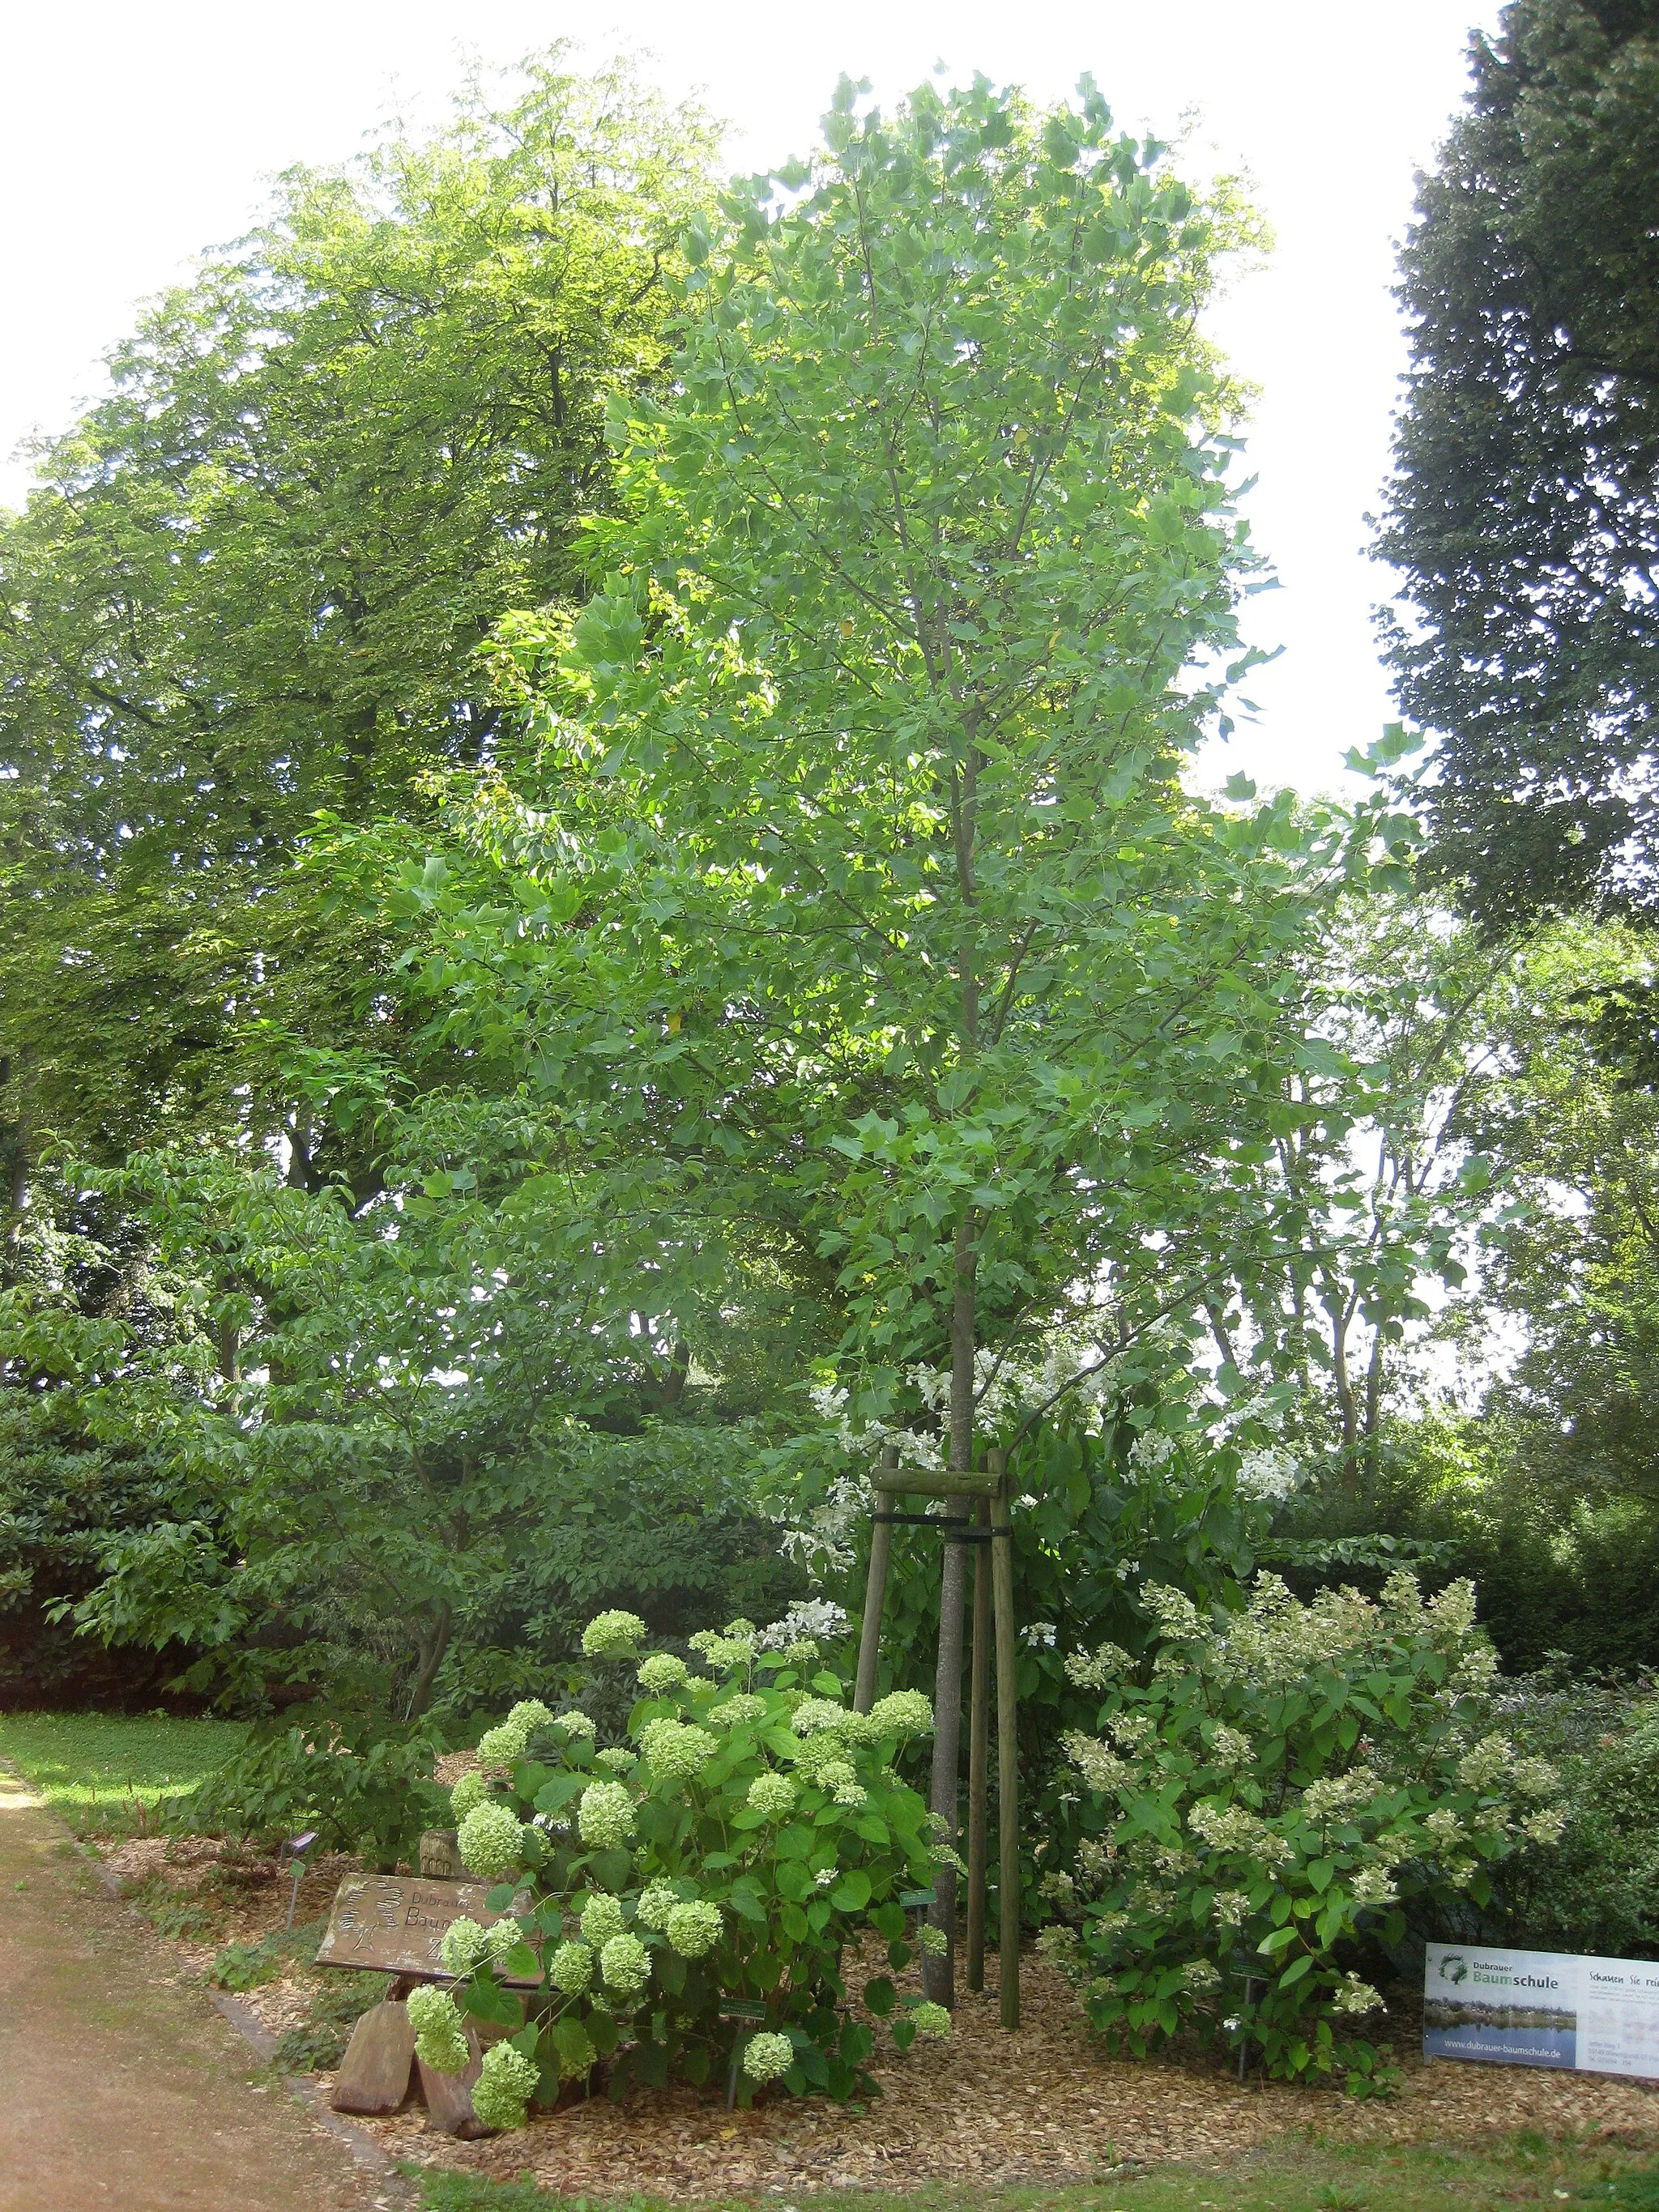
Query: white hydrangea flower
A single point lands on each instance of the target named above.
(902, 1713)
(440, 2031)
(767, 2055)
(503, 1745)
(491, 1842)
(693, 1930)
(472, 1790)
(1355, 1996)
(625, 1963)
(734, 1712)
(605, 1815)
(571, 1968)
(1373, 1886)
(773, 1795)
(601, 1918)
(676, 1750)
(613, 1635)
(461, 1946)
(657, 1901)
(503, 2088)
(529, 1714)
(1488, 1762)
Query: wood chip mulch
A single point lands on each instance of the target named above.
(1043, 2106)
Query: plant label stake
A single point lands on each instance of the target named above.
(296, 1847)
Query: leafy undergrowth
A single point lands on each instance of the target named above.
(115, 1774)
(317, 2043)
(1289, 2175)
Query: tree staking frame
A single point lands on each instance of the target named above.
(991, 1532)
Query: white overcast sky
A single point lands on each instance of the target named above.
(132, 136)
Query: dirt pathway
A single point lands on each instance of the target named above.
(117, 2085)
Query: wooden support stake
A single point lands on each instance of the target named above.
(938, 1969)
(875, 1594)
(1002, 1579)
(979, 1756)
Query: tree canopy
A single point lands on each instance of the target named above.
(1523, 512)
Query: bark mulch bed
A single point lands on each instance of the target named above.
(1044, 2106)
(1041, 2106)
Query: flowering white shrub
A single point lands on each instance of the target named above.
(734, 1851)
(1271, 1791)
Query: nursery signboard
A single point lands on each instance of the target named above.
(393, 1924)
(1541, 2009)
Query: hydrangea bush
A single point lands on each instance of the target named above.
(681, 1903)
(1271, 1793)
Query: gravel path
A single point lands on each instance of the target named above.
(118, 2084)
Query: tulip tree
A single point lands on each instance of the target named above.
(912, 938)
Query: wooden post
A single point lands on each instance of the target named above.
(875, 1594)
(938, 1969)
(979, 1754)
(1002, 1581)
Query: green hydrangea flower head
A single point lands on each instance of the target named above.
(602, 1918)
(530, 1713)
(626, 1965)
(695, 1928)
(503, 2087)
(575, 1722)
(490, 1841)
(440, 2031)
(572, 1969)
(733, 1712)
(472, 1790)
(614, 1635)
(773, 1795)
(931, 2020)
(662, 1673)
(902, 1713)
(767, 2055)
(657, 1901)
(723, 1649)
(617, 1760)
(813, 1714)
(461, 1946)
(676, 1750)
(503, 1745)
(605, 1815)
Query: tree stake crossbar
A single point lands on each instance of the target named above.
(993, 1625)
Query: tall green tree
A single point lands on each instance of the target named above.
(1524, 509)
(857, 892)
(251, 584)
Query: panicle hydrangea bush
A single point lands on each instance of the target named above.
(681, 1903)
(1275, 1791)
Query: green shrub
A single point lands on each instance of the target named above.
(361, 1790)
(683, 1903)
(1285, 1788)
(1599, 1892)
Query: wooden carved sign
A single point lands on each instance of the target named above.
(393, 1924)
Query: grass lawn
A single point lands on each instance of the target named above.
(110, 1773)
(1287, 2177)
